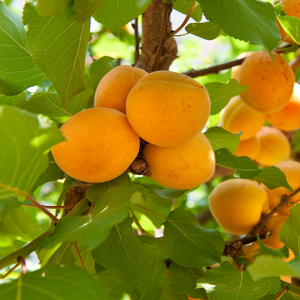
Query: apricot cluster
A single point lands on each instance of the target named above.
(165, 109)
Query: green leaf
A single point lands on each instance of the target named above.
(7, 205)
(184, 6)
(55, 282)
(229, 283)
(118, 285)
(248, 20)
(188, 244)
(170, 292)
(141, 263)
(114, 14)
(49, 8)
(48, 104)
(27, 138)
(205, 30)
(8, 100)
(63, 255)
(86, 256)
(220, 94)
(58, 46)
(245, 168)
(221, 138)
(185, 280)
(291, 26)
(98, 69)
(290, 231)
(282, 252)
(80, 101)
(18, 71)
(83, 10)
(92, 229)
(266, 266)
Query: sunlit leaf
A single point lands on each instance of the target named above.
(291, 26)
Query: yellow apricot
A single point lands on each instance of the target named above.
(167, 109)
(274, 146)
(248, 148)
(237, 205)
(237, 116)
(291, 8)
(287, 118)
(270, 83)
(181, 167)
(114, 87)
(291, 170)
(235, 70)
(100, 145)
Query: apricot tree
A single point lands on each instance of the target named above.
(114, 149)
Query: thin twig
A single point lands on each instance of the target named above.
(285, 289)
(91, 54)
(51, 206)
(20, 260)
(137, 41)
(79, 255)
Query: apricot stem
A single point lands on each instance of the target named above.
(189, 14)
(20, 261)
(78, 254)
(285, 289)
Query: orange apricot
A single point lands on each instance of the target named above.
(100, 145)
(270, 83)
(248, 148)
(167, 109)
(287, 118)
(114, 87)
(237, 205)
(274, 146)
(191, 298)
(181, 167)
(235, 70)
(291, 170)
(237, 116)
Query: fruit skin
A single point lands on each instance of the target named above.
(291, 170)
(237, 204)
(274, 146)
(181, 167)
(270, 83)
(100, 145)
(248, 148)
(237, 116)
(114, 87)
(167, 109)
(287, 118)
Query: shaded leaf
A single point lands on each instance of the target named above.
(170, 292)
(79, 101)
(86, 257)
(205, 30)
(83, 10)
(63, 255)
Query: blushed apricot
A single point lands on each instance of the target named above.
(100, 145)
(235, 70)
(181, 167)
(288, 118)
(237, 116)
(270, 82)
(248, 148)
(115, 86)
(291, 170)
(167, 109)
(274, 146)
(237, 205)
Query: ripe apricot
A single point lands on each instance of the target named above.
(235, 70)
(237, 204)
(270, 82)
(291, 8)
(114, 87)
(100, 145)
(191, 298)
(287, 118)
(274, 146)
(237, 116)
(167, 109)
(248, 148)
(291, 170)
(181, 167)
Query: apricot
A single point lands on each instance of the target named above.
(100, 145)
(237, 116)
(248, 148)
(287, 118)
(114, 87)
(237, 205)
(291, 170)
(235, 70)
(274, 146)
(291, 8)
(270, 82)
(181, 167)
(167, 109)
(191, 298)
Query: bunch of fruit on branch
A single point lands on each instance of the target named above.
(167, 110)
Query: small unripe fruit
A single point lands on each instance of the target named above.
(100, 145)
(167, 109)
